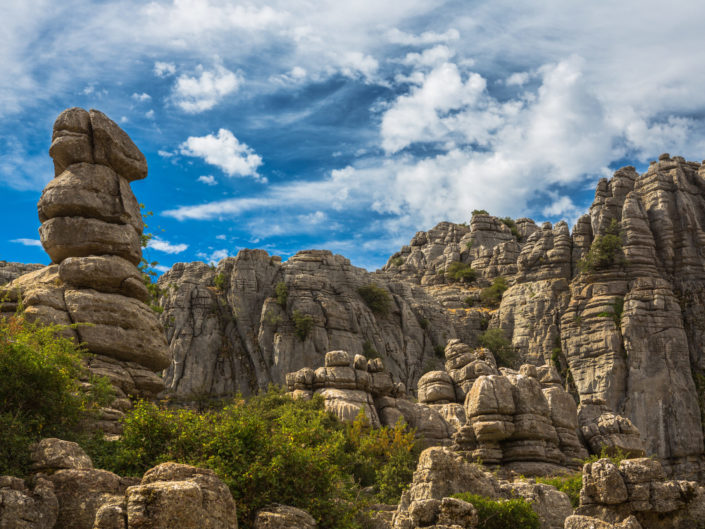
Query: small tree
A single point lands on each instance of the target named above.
(496, 341)
(457, 271)
(303, 323)
(376, 298)
(492, 295)
(282, 293)
(605, 251)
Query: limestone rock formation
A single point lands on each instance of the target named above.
(253, 319)
(441, 473)
(636, 494)
(11, 271)
(91, 229)
(25, 508)
(283, 517)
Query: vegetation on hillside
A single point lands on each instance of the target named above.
(376, 298)
(496, 341)
(503, 514)
(605, 251)
(492, 295)
(272, 448)
(40, 392)
(457, 271)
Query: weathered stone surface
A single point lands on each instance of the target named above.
(173, 494)
(71, 140)
(81, 493)
(119, 327)
(90, 191)
(55, 454)
(436, 387)
(105, 273)
(11, 271)
(283, 517)
(114, 148)
(64, 237)
(22, 508)
(604, 430)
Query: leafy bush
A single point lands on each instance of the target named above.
(504, 514)
(457, 271)
(219, 281)
(570, 484)
(439, 351)
(303, 323)
(509, 223)
(396, 261)
(368, 351)
(479, 212)
(496, 341)
(272, 448)
(40, 394)
(616, 314)
(605, 251)
(492, 295)
(376, 298)
(282, 293)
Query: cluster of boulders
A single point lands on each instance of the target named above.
(91, 228)
(605, 431)
(69, 493)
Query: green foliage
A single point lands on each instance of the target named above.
(219, 281)
(272, 448)
(272, 319)
(396, 261)
(376, 298)
(457, 271)
(303, 323)
(605, 251)
(424, 323)
(570, 484)
(40, 395)
(496, 341)
(468, 245)
(492, 295)
(509, 222)
(368, 351)
(504, 514)
(469, 301)
(479, 212)
(282, 293)
(616, 313)
(439, 351)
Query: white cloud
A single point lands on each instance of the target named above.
(28, 242)
(221, 237)
(208, 180)
(428, 37)
(165, 246)
(149, 114)
(204, 90)
(165, 154)
(161, 268)
(141, 97)
(518, 79)
(224, 151)
(356, 63)
(215, 256)
(164, 69)
(430, 57)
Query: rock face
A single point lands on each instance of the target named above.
(229, 330)
(91, 229)
(284, 517)
(11, 271)
(441, 473)
(636, 494)
(70, 494)
(616, 306)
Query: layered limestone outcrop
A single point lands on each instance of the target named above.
(91, 227)
(252, 319)
(616, 306)
(10, 271)
(69, 493)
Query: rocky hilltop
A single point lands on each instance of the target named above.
(616, 306)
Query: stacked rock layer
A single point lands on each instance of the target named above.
(91, 228)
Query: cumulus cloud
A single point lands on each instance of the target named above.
(429, 57)
(204, 90)
(141, 97)
(214, 256)
(224, 151)
(161, 245)
(28, 242)
(208, 180)
(164, 69)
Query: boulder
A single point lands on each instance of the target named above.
(283, 517)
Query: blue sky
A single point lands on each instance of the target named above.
(348, 125)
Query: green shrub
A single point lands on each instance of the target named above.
(496, 341)
(457, 271)
(570, 484)
(272, 448)
(605, 251)
(479, 212)
(504, 514)
(616, 314)
(469, 301)
(492, 295)
(509, 223)
(40, 394)
(219, 281)
(376, 298)
(368, 351)
(271, 318)
(303, 323)
(439, 351)
(468, 245)
(282, 293)
(396, 261)
(424, 323)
